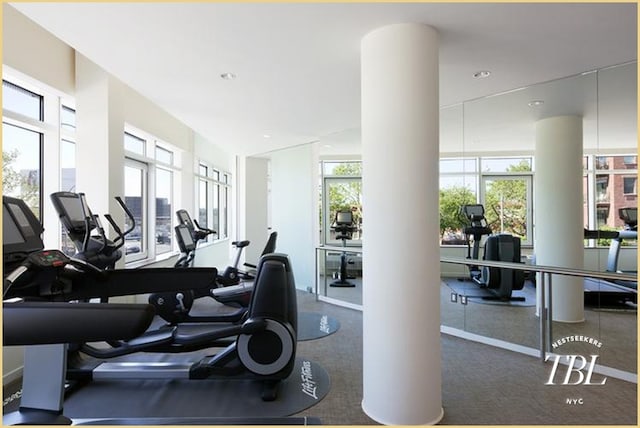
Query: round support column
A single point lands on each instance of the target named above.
(558, 213)
(401, 253)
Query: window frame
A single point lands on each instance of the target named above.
(218, 183)
(149, 251)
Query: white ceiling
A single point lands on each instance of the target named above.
(298, 64)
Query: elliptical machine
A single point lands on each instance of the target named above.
(231, 274)
(501, 247)
(261, 348)
(175, 307)
(344, 227)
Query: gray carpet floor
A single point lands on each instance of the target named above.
(482, 385)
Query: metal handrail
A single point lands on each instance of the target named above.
(546, 308)
(546, 305)
(542, 268)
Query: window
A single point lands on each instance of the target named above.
(134, 144)
(610, 183)
(21, 157)
(502, 185)
(629, 185)
(164, 212)
(213, 187)
(38, 133)
(22, 144)
(67, 166)
(22, 101)
(164, 156)
(150, 173)
(602, 188)
(67, 119)
(506, 164)
(135, 195)
(458, 186)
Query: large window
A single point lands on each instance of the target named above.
(22, 144)
(214, 189)
(38, 149)
(150, 180)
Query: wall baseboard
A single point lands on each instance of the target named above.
(12, 376)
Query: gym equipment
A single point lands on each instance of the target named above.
(99, 252)
(269, 247)
(231, 274)
(261, 348)
(630, 217)
(613, 292)
(77, 218)
(104, 280)
(51, 325)
(344, 228)
(175, 307)
(501, 247)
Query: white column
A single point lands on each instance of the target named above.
(558, 213)
(401, 278)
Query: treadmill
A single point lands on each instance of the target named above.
(600, 292)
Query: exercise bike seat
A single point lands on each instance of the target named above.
(240, 244)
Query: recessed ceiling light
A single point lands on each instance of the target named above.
(327, 146)
(481, 74)
(266, 136)
(535, 103)
(228, 76)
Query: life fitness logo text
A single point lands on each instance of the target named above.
(579, 368)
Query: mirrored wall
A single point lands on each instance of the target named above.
(487, 151)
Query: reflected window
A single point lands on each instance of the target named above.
(506, 164)
(343, 168)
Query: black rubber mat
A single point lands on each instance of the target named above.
(314, 325)
(306, 386)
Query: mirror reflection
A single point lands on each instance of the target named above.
(487, 170)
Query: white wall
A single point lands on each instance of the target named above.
(294, 193)
(255, 206)
(30, 49)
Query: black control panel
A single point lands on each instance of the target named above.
(48, 259)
